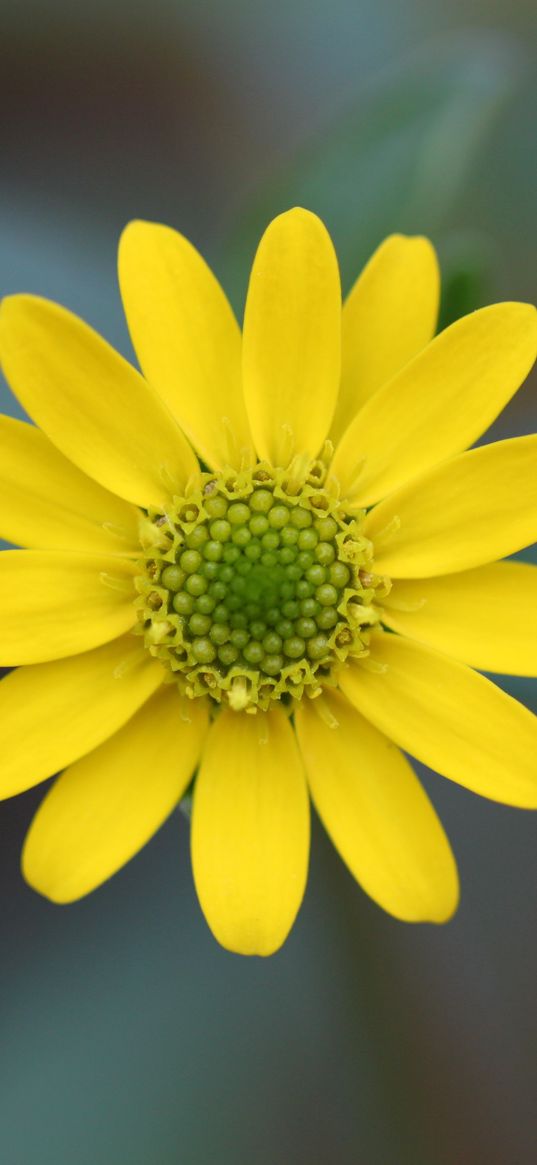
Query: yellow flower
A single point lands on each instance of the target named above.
(289, 611)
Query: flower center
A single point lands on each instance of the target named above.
(256, 586)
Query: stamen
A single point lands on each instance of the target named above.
(184, 712)
(288, 444)
(388, 532)
(298, 472)
(327, 452)
(230, 443)
(373, 665)
(157, 632)
(263, 730)
(116, 531)
(117, 582)
(154, 536)
(409, 607)
(192, 484)
(129, 664)
(323, 711)
(354, 483)
(169, 479)
(238, 694)
(246, 458)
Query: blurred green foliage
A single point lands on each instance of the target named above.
(396, 161)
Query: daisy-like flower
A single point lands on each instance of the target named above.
(268, 564)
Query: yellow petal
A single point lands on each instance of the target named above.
(376, 812)
(388, 317)
(187, 339)
(54, 603)
(53, 713)
(473, 509)
(485, 617)
(104, 808)
(91, 403)
(250, 831)
(440, 403)
(292, 338)
(48, 504)
(449, 717)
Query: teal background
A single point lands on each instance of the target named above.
(128, 1036)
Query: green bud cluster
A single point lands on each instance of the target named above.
(255, 593)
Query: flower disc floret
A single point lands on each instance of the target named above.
(256, 587)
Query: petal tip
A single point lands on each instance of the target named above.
(250, 946)
(139, 229)
(11, 304)
(299, 215)
(440, 905)
(446, 908)
(37, 879)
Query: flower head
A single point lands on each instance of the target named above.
(264, 567)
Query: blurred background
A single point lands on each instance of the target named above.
(128, 1036)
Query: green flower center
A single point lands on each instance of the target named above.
(255, 586)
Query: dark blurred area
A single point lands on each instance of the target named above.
(129, 1037)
